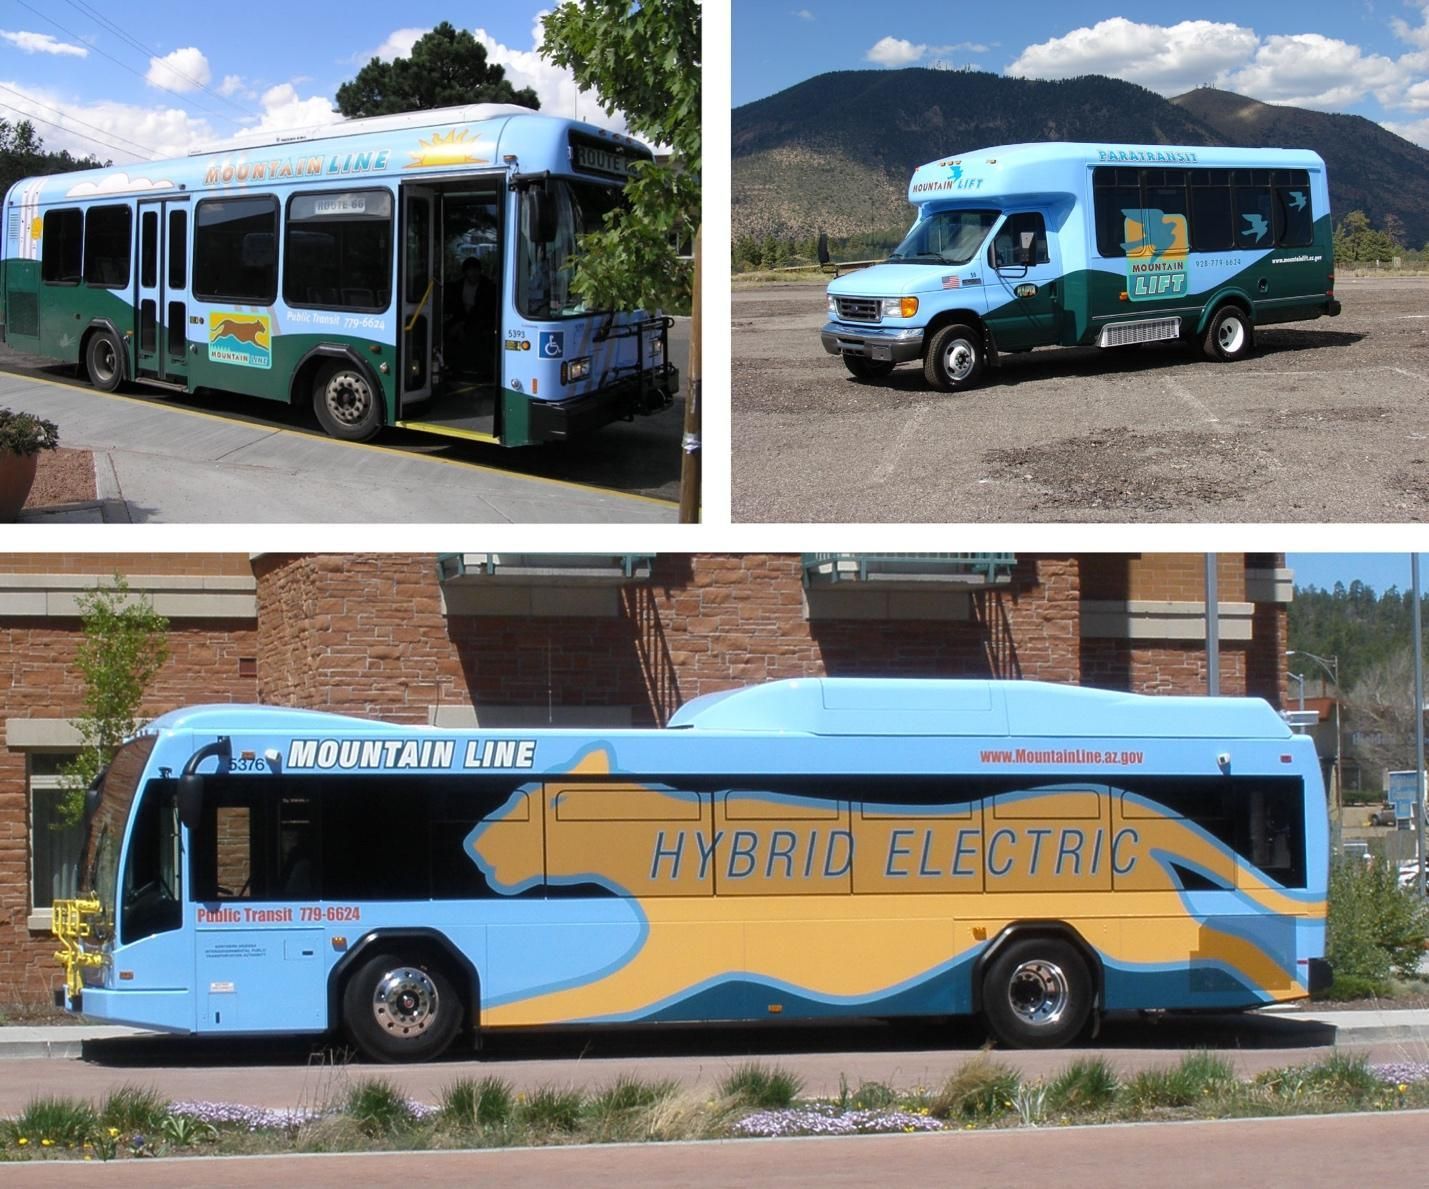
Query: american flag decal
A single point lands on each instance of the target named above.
(950, 282)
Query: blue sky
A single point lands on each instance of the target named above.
(1379, 570)
(1369, 57)
(134, 82)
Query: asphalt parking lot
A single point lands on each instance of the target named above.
(1325, 422)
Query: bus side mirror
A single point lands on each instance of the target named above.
(540, 215)
(190, 800)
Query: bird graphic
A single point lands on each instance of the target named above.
(1297, 199)
(1258, 226)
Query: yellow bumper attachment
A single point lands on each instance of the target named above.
(71, 923)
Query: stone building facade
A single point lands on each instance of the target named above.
(527, 640)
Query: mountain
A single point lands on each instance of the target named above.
(835, 152)
(1370, 168)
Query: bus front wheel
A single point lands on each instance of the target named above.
(955, 358)
(398, 1009)
(346, 403)
(863, 368)
(1229, 335)
(1037, 993)
(104, 360)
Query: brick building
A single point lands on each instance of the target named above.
(505, 640)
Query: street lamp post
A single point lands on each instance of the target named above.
(1331, 665)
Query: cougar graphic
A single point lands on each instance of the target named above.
(244, 332)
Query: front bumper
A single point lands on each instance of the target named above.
(900, 345)
(648, 392)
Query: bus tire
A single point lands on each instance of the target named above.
(1037, 993)
(955, 359)
(104, 360)
(398, 1008)
(863, 368)
(346, 403)
(1229, 336)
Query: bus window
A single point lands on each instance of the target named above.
(60, 247)
(543, 284)
(153, 875)
(149, 251)
(1211, 227)
(1295, 220)
(1254, 221)
(947, 237)
(178, 249)
(1007, 249)
(339, 250)
(1116, 191)
(236, 250)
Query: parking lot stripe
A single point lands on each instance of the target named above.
(1179, 389)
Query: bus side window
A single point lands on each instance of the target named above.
(1295, 218)
(61, 258)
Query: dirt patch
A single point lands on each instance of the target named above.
(1121, 468)
(64, 476)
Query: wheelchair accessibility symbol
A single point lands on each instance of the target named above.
(553, 344)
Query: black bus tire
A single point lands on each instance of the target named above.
(347, 404)
(1229, 336)
(954, 360)
(399, 1008)
(863, 368)
(1037, 993)
(104, 360)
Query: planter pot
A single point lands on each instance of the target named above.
(17, 475)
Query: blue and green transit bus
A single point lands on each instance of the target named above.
(410, 270)
(1036, 854)
(1034, 245)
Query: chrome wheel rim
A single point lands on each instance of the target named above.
(404, 1002)
(1231, 335)
(1038, 992)
(959, 359)
(106, 361)
(348, 398)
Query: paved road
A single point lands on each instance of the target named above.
(1384, 1149)
(1324, 423)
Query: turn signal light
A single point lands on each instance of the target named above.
(907, 306)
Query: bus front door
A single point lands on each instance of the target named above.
(161, 303)
(1024, 263)
(419, 295)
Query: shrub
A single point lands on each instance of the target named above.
(24, 433)
(1087, 1084)
(486, 1103)
(981, 1088)
(379, 1108)
(627, 1094)
(65, 1122)
(755, 1085)
(1197, 1077)
(1376, 928)
(550, 1109)
(134, 1108)
(873, 1096)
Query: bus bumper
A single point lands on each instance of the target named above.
(894, 345)
(556, 420)
(1333, 309)
(1321, 975)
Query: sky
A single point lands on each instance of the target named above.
(132, 82)
(1366, 57)
(1379, 570)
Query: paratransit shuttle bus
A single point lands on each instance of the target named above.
(409, 270)
(1034, 245)
(1036, 854)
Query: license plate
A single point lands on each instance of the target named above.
(877, 352)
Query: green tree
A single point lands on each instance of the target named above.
(22, 155)
(641, 60)
(447, 67)
(124, 646)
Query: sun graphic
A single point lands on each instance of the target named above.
(457, 147)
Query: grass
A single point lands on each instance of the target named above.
(753, 1099)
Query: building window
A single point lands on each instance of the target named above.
(54, 849)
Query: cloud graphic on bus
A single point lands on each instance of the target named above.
(116, 183)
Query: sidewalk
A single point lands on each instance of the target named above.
(168, 465)
(1351, 1027)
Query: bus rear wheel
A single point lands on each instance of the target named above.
(955, 358)
(396, 1008)
(863, 368)
(346, 403)
(104, 360)
(1229, 335)
(1037, 994)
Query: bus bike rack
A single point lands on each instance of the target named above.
(652, 388)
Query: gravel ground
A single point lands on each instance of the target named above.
(64, 476)
(1325, 422)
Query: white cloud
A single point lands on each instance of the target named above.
(43, 43)
(894, 51)
(1169, 59)
(183, 70)
(1416, 131)
(1310, 70)
(284, 109)
(399, 44)
(232, 84)
(554, 85)
(804, 14)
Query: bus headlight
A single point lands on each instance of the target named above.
(657, 348)
(833, 306)
(899, 307)
(575, 369)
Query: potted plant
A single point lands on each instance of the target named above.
(22, 437)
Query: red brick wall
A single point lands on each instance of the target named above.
(38, 680)
(104, 565)
(1161, 577)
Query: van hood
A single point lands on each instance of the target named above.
(903, 280)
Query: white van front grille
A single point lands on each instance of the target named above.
(859, 309)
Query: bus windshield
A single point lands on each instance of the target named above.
(945, 237)
(104, 823)
(543, 282)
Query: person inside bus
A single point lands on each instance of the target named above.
(472, 326)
